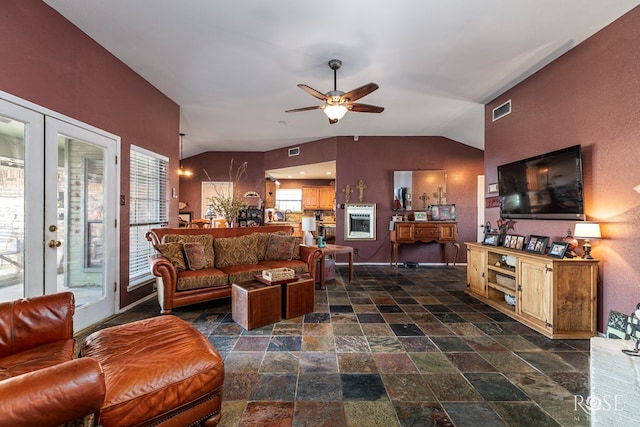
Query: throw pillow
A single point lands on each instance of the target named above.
(194, 252)
(280, 247)
(296, 248)
(206, 240)
(236, 250)
(174, 253)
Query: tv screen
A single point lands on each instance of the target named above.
(548, 186)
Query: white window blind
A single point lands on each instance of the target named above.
(148, 201)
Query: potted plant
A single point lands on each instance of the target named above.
(228, 204)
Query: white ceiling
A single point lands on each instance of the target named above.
(233, 66)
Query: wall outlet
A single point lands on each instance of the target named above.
(355, 251)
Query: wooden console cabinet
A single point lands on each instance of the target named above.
(410, 232)
(556, 297)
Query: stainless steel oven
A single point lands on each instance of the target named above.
(360, 221)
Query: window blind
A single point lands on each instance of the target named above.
(148, 201)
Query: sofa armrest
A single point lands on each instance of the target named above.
(53, 395)
(32, 322)
(311, 255)
(168, 285)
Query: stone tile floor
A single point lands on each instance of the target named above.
(395, 347)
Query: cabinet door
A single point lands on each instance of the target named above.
(310, 198)
(475, 271)
(447, 232)
(404, 232)
(326, 198)
(535, 290)
(269, 194)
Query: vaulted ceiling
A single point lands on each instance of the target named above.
(233, 66)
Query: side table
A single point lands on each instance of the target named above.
(332, 250)
(254, 304)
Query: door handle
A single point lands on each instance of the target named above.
(55, 243)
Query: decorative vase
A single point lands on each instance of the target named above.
(573, 244)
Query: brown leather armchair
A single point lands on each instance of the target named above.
(41, 381)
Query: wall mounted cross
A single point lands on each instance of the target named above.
(347, 190)
(361, 188)
(424, 199)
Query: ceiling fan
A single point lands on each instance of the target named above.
(337, 103)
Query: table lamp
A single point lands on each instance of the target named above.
(308, 225)
(587, 230)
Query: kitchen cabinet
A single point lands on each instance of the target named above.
(321, 198)
(270, 194)
(556, 297)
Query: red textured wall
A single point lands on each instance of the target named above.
(50, 62)
(589, 96)
(373, 160)
(215, 167)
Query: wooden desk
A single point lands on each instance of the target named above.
(411, 232)
(330, 250)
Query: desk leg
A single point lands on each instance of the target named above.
(394, 251)
(455, 257)
(350, 266)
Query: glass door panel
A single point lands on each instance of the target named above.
(21, 164)
(80, 245)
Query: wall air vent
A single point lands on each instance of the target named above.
(294, 151)
(502, 110)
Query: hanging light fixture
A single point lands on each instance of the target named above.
(182, 171)
(335, 112)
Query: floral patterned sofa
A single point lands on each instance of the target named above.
(199, 264)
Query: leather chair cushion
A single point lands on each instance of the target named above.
(36, 358)
(153, 367)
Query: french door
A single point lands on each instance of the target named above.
(58, 229)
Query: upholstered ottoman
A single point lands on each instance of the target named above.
(159, 371)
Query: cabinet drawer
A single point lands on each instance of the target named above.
(426, 231)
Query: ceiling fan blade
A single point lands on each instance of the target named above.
(365, 108)
(358, 93)
(303, 109)
(311, 91)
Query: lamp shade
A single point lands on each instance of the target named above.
(308, 223)
(587, 230)
(335, 112)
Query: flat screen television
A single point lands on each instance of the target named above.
(548, 186)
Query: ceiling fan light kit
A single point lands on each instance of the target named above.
(337, 103)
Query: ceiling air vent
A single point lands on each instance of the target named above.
(294, 151)
(502, 110)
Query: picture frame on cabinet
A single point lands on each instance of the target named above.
(520, 243)
(537, 244)
(557, 249)
(507, 240)
(492, 239)
(420, 216)
(443, 212)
